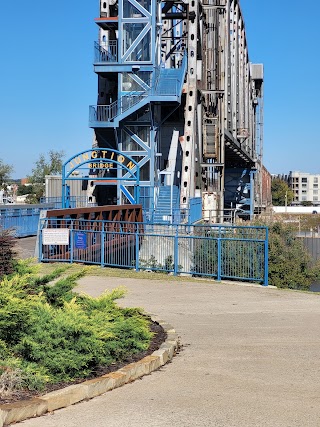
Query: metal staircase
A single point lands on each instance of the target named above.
(165, 208)
(168, 86)
(110, 115)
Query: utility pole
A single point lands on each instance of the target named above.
(286, 201)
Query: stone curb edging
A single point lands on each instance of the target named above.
(24, 409)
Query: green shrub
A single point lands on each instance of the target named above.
(151, 263)
(23, 267)
(290, 265)
(4, 350)
(33, 376)
(205, 255)
(63, 341)
(51, 334)
(7, 252)
(61, 291)
(15, 311)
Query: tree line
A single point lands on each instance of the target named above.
(50, 164)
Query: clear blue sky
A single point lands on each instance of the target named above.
(47, 80)
(284, 35)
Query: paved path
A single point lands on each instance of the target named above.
(250, 359)
(26, 247)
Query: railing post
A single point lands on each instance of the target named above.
(63, 196)
(137, 236)
(102, 247)
(266, 258)
(71, 243)
(176, 252)
(219, 258)
(40, 254)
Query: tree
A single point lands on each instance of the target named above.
(44, 166)
(306, 203)
(280, 192)
(290, 264)
(24, 190)
(7, 252)
(5, 171)
(36, 192)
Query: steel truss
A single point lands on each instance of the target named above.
(181, 66)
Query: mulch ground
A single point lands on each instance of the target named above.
(158, 338)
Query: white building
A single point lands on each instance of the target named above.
(305, 187)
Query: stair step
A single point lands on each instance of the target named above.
(170, 72)
(162, 214)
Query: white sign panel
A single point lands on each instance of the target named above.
(55, 236)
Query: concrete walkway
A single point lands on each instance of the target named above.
(250, 359)
(25, 247)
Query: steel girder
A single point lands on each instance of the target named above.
(220, 115)
(229, 133)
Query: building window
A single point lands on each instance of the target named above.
(304, 198)
(304, 191)
(304, 179)
(315, 185)
(315, 198)
(315, 191)
(315, 179)
(303, 185)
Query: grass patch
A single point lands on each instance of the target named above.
(46, 268)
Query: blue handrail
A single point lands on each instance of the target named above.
(107, 52)
(168, 82)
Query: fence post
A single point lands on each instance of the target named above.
(71, 244)
(266, 258)
(176, 253)
(102, 248)
(40, 248)
(219, 259)
(137, 249)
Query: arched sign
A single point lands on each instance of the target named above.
(101, 162)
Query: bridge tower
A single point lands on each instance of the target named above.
(178, 95)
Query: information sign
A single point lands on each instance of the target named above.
(80, 240)
(55, 236)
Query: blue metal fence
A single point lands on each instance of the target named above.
(195, 210)
(23, 220)
(222, 252)
(107, 52)
(75, 202)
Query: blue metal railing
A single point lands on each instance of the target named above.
(178, 74)
(195, 209)
(75, 202)
(178, 216)
(168, 82)
(107, 113)
(222, 252)
(22, 220)
(106, 52)
(170, 87)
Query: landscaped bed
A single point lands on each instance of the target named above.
(51, 336)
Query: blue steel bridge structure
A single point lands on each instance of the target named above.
(177, 95)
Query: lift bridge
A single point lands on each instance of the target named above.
(180, 104)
